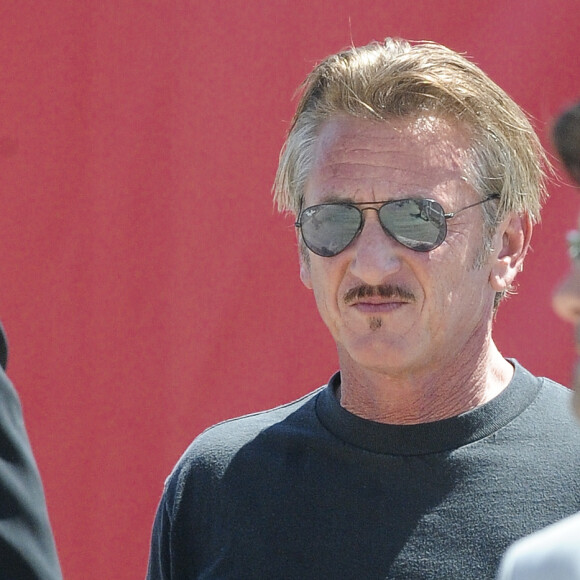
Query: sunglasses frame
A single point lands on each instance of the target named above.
(360, 207)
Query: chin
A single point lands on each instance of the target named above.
(380, 356)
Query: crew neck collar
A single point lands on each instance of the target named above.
(433, 437)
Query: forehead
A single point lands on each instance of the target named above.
(387, 158)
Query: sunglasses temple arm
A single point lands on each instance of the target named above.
(488, 198)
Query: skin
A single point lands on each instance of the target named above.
(566, 304)
(412, 329)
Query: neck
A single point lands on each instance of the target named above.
(430, 393)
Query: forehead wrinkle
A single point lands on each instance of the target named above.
(436, 137)
(357, 157)
(392, 172)
(442, 156)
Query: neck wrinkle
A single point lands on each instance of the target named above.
(431, 395)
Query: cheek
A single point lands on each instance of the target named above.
(453, 289)
(325, 276)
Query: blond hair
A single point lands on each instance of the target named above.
(397, 79)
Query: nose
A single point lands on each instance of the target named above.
(566, 298)
(375, 253)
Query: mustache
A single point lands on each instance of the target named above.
(384, 291)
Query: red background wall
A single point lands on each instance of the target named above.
(146, 284)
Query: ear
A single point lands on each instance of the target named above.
(304, 259)
(515, 234)
(305, 268)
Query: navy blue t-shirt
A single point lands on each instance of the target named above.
(309, 490)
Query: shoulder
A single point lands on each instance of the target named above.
(523, 376)
(213, 451)
(542, 408)
(555, 402)
(235, 433)
(553, 552)
(554, 389)
(544, 393)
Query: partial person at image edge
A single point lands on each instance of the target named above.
(27, 548)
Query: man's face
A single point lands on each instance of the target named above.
(566, 303)
(434, 306)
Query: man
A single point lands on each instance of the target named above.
(27, 550)
(554, 552)
(415, 182)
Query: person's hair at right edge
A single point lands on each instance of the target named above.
(566, 137)
(397, 79)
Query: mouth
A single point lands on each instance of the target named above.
(376, 306)
(378, 299)
(384, 308)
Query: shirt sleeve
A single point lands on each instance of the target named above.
(159, 567)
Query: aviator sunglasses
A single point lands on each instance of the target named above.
(418, 224)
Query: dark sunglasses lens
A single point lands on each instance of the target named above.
(328, 229)
(418, 224)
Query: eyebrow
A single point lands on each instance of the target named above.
(334, 198)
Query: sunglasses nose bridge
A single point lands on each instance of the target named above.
(363, 209)
(363, 218)
(379, 222)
